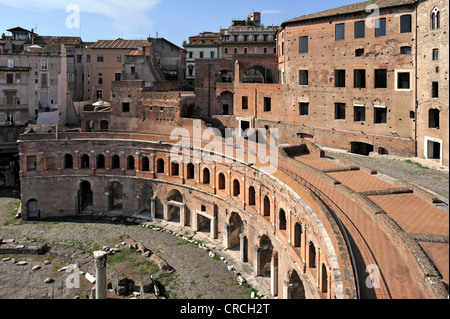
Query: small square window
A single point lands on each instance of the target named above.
(125, 107)
(435, 54)
(380, 115)
(403, 80)
(100, 58)
(405, 50)
(360, 113)
(303, 75)
(339, 111)
(359, 52)
(304, 108)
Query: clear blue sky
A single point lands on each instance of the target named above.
(174, 20)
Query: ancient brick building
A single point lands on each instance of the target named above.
(307, 226)
(346, 78)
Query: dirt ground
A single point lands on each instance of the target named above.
(197, 275)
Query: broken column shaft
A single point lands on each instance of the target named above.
(100, 258)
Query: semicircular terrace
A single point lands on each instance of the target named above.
(304, 234)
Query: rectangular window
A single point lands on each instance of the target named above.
(245, 102)
(119, 58)
(303, 75)
(360, 29)
(125, 107)
(359, 79)
(435, 54)
(70, 60)
(31, 163)
(255, 50)
(100, 58)
(339, 111)
(118, 76)
(434, 118)
(435, 89)
(191, 54)
(10, 63)
(381, 79)
(380, 115)
(403, 81)
(304, 109)
(360, 113)
(245, 50)
(44, 80)
(359, 52)
(304, 45)
(380, 27)
(405, 24)
(70, 77)
(267, 104)
(88, 59)
(100, 78)
(202, 54)
(340, 31)
(212, 54)
(405, 50)
(9, 78)
(265, 51)
(44, 65)
(235, 50)
(339, 78)
(226, 51)
(79, 59)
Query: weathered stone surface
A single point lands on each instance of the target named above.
(134, 244)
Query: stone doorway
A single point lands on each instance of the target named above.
(85, 199)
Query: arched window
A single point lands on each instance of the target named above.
(236, 188)
(251, 196)
(324, 279)
(190, 171)
(435, 19)
(101, 161)
(85, 162)
(266, 206)
(282, 220)
(160, 166)
(206, 176)
(145, 164)
(130, 165)
(312, 255)
(221, 181)
(175, 169)
(104, 126)
(68, 161)
(298, 235)
(116, 162)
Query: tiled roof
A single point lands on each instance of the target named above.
(352, 8)
(119, 44)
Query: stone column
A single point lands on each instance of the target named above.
(242, 239)
(257, 260)
(226, 235)
(100, 258)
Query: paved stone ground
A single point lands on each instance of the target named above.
(197, 276)
(435, 178)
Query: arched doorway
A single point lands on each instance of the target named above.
(175, 206)
(115, 198)
(145, 200)
(295, 288)
(265, 256)
(226, 102)
(85, 199)
(33, 209)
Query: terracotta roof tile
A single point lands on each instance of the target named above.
(352, 8)
(119, 44)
